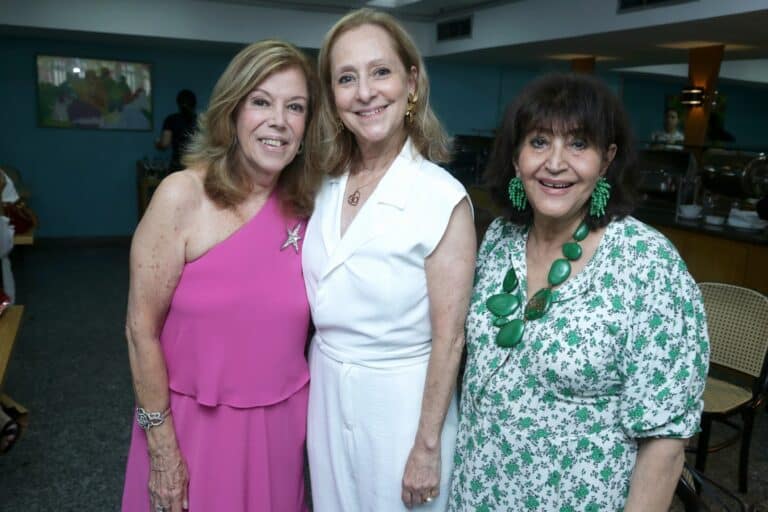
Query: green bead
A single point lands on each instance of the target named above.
(559, 271)
(539, 304)
(581, 232)
(510, 281)
(500, 321)
(502, 304)
(572, 251)
(511, 334)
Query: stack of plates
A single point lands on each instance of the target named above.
(714, 220)
(746, 220)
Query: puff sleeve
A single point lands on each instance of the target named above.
(665, 359)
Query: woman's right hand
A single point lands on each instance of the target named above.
(168, 474)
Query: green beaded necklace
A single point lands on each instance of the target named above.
(504, 304)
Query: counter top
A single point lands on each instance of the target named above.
(668, 219)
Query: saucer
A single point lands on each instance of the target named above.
(714, 220)
(748, 226)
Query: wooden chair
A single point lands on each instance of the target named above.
(698, 493)
(10, 322)
(737, 320)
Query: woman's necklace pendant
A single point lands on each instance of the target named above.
(539, 304)
(504, 304)
(353, 199)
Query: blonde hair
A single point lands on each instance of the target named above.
(335, 147)
(214, 146)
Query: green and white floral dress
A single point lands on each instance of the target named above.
(552, 424)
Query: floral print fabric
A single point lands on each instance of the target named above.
(552, 424)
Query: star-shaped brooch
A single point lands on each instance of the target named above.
(293, 238)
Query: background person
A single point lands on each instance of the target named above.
(178, 128)
(671, 135)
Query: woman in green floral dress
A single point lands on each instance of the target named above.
(586, 337)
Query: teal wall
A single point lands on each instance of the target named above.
(471, 98)
(746, 113)
(466, 98)
(83, 181)
(644, 99)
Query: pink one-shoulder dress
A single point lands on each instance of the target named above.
(234, 341)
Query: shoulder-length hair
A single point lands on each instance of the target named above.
(334, 146)
(214, 146)
(566, 104)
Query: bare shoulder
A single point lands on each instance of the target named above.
(180, 192)
(175, 207)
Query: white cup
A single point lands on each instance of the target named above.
(690, 211)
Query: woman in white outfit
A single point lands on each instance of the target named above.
(388, 261)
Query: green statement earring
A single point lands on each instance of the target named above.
(600, 197)
(517, 193)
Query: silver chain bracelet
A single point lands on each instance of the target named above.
(148, 420)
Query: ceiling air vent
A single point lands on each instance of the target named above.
(628, 5)
(459, 28)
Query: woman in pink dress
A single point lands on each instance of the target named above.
(217, 312)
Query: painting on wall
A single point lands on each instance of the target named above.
(74, 92)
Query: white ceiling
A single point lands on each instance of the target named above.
(640, 47)
(637, 47)
(517, 32)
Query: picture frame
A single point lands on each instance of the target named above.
(86, 93)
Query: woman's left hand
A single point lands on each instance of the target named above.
(421, 480)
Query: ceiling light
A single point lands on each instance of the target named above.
(391, 3)
(688, 45)
(574, 56)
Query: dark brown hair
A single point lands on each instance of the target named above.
(566, 104)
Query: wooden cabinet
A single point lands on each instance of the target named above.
(756, 275)
(712, 258)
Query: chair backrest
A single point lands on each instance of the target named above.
(737, 320)
(699, 493)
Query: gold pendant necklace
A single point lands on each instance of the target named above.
(353, 199)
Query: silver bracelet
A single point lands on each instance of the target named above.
(148, 420)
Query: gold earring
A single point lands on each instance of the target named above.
(409, 110)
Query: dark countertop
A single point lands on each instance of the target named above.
(667, 219)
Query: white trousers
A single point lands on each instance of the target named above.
(361, 427)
